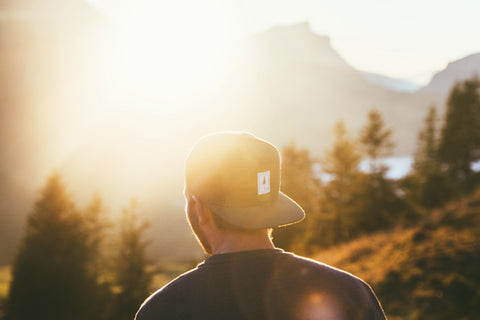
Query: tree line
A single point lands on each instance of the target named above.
(344, 202)
(78, 263)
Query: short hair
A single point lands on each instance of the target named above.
(222, 224)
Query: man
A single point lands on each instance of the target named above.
(233, 200)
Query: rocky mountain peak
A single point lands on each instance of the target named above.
(298, 44)
(455, 71)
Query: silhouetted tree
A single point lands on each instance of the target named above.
(301, 184)
(51, 274)
(426, 153)
(460, 136)
(340, 194)
(376, 141)
(429, 187)
(381, 205)
(97, 225)
(131, 269)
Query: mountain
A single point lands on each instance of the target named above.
(455, 71)
(294, 44)
(415, 269)
(395, 84)
(293, 86)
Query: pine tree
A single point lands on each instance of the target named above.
(425, 156)
(376, 141)
(301, 184)
(460, 137)
(51, 277)
(340, 194)
(298, 176)
(97, 225)
(431, 188)
(341, 163)
(381, 205)
(132, 272)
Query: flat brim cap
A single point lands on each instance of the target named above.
(281, 212)
(237, 175)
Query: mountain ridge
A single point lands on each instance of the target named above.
(458, 70)
(300, 43)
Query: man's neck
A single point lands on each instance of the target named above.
(234, 242)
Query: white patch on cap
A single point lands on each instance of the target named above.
(263, 182)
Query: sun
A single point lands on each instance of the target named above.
(168, 53)
(151, 73)
(158, 65)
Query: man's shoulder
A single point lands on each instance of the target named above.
(283, 277)
(346, 289)
(165, 298)
(175, 285)
(309, 267)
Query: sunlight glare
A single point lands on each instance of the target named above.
(159, 64)
(156, 55)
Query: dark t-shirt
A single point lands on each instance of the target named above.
(263, 284)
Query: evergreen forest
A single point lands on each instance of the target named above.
(414, 239)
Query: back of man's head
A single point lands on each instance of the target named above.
(237, 175)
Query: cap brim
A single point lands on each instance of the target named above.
(283, 211)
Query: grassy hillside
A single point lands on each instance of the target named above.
(427, 271)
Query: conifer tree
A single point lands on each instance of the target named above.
(340, 194)
(425, 156)
(376, 141)
(97, 225)
(342, 162)
(298, 177)
(460, 136)
(431, 188)
(301, 184)
(51, 278)
(132, 267)
(381, 205)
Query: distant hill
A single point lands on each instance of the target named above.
(425, 271)
(295, 86)
(455, 71)
(282, 45)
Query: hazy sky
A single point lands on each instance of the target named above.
(398, 38)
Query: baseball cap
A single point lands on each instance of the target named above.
(237, 175)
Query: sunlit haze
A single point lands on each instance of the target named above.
(162, 76)
(373, 106)
(182, 51)
(122, 99)
(403, 39)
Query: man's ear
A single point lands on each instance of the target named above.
(203, 213)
